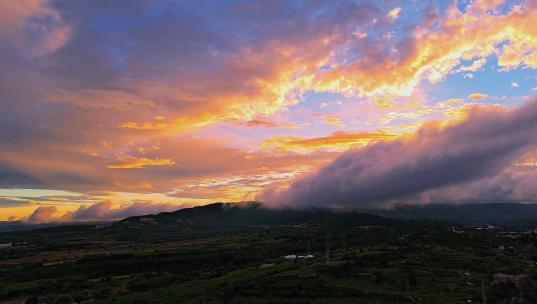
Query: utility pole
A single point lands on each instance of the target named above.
(327, 247)
(344, 241)
(483, 291)
(327, 240)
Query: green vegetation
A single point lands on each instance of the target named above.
(223, 254)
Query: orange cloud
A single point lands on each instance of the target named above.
(263, 122)
(13, 14)
(39, 40)
(337, 140)
(476, 34)
(484, 5)
(44, 214)
(131, 162)
(55, 39)
(179, 124)
(266, 80)
(263, 80)
(108, 210)
(158, 101)
(145, 125)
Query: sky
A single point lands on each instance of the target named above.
(116, 108)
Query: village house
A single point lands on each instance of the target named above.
(6, 245)
(504, 278)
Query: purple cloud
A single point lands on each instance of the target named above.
(107, 211)
(43, 214)
(482, 146)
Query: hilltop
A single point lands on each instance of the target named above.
(235, 217)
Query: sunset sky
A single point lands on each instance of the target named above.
(115, 108)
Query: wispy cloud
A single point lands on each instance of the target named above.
(131, 162)
(337, 140)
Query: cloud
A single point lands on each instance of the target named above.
(33, 25)
(101, 211)
(514, 84)
(337, 139)
(83, 73)
(475, 66)
(15, 14)
(8, 202)
(333, 120)
(484, 5)
(398, 67)
(101, 99)
(10, 177)
(263, 122)
(394, 13)
(86, 170)
(108, 210)
(44, 214)
(514, 185)
(383, 103)
(477, 96)
(54, 40)
(487, 142)
(131, 162)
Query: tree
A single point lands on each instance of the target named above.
(32, 300)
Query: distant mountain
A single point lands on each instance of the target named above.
(232, 216)
(224, 216)
(499, 213)
(12, 226)
(6, 226)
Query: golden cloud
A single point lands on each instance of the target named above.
(131, 162)
(337, 140)
(383, 103)
(276, 75)
(477, 96)
(262, 122)
(333, 120)
(394, 13)
(474, 35)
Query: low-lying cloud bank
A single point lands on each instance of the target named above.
(474, 160)
(102, 211)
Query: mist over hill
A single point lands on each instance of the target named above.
(464, 213)
(229, 216)
(255, 213)
(224, 218)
